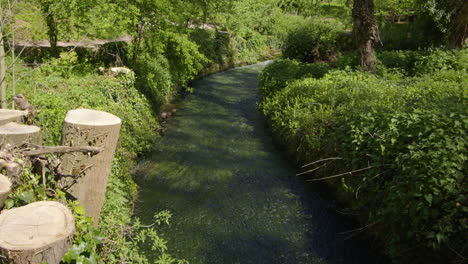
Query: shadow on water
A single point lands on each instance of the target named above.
(233, 196)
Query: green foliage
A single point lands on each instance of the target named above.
(276, 75)
(408, 36)
(439, 59)
(185, 60)
(154, 78)
(409, 134)
(386, 8)
(316, 40)
(119, 237)
(411, 62)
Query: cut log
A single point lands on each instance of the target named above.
(7, 116)
(5, 189)
(88, 174)
(17, 134)
(41, 232)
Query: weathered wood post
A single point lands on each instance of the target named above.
(7, 116)
(40, 232)
(89, 173)
(5, 189)
(17, 134)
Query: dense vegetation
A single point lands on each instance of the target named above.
(391, 143)
(400, 130)
(173, 42)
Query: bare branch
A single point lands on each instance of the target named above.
(302, 173)
(342, 174)
(61, 149)
(322, 160)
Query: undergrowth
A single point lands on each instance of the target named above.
(396, 139)
(60, 86)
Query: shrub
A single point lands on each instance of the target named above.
(185, 60)
(313, 41)
(407, 139)
(411, 62)
(439, 59)
(154, 79)
(276, 75)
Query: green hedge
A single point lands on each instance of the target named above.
(407, 139)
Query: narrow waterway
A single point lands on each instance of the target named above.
(235, 198)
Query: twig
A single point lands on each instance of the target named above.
(62, 149)
(322, 160)
(356, 231)
(302, 173)
(342, 174)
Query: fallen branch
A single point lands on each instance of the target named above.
(62, 149)
(342, 174)
(314, 169)
(322, 160)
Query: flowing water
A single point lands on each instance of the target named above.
(235, 198)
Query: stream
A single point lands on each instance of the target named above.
(234, 197)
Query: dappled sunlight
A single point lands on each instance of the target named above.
(233, 195)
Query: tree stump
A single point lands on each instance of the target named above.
(17, 134)
(88, 174)
(5, 189)
(41, 232)
(7, 116)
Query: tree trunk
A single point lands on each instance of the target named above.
(5, 189)
(7, 116)
(16, 134)
(2, 64)
(87, 175)
(365, 32)
(459, 29)
(52, 30)
(41, 232)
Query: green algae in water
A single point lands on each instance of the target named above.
(233, 197)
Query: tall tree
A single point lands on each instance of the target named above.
(458, 33)
(365, 32)
(65, 15)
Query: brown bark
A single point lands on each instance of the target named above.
(459, 30)
(41, 232)
(365, 32)
(89, 173)
(23, 104)
(2, 66)
(16, 134)
(61, 149)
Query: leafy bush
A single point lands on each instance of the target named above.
(313, 41)
(185, 60)
(438, 59)
(277, 74)
(411, 62)
(154, 78)
(404, 139)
